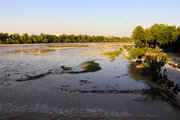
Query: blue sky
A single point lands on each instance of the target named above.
(92, 17)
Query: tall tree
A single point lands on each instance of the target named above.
(159, 33)
(138, 35)
(148, 36)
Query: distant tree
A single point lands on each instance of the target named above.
(72, 38)
(125, 39)
(14, 39)
(46, 38)
(24, 38)
(3, 37)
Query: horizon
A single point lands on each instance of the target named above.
(91, 17)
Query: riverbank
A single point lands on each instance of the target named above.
(157, 87)
(149, 62)
(42, 44)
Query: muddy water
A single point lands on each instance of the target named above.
(111, 93)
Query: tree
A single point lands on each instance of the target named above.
(165, 36)
(148, 36)
(14, 39)
(138, 35)
(159, 33)
(46, 38)
(178, 29)
(1, 38)
(24, 38)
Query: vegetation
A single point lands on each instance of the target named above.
(166, 37)
(138, 35)
(153, 60)
(151, 69)
(147, 52)
(128, 47)
(35, 77)
(6, 38)
(113, 54)
(138, 52)
(89, 66)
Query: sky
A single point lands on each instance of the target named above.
(91, 17)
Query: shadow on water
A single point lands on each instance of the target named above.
(134, 73)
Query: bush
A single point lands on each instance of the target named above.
(140, 53)
(136, 52)
(169, 59)
(113, 54)
(128, 47)
(138, 43)
(151, 68)
(89, 66)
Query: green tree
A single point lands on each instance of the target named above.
(138, 35)
(24, 38)
(159, 33)
(148, 36)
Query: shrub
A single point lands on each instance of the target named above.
(138, 52)
(151, 68)
(113, 54)
(128, 47)
(89, 66)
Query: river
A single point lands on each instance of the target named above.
(110, 93)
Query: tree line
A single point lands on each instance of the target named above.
(6, 38)
(165, 36)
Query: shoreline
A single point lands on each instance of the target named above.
(162, 90)
(43, 44)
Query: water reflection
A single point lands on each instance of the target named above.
(134, 73)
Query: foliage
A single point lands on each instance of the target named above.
(138, 35)
(136, 52)
(141, 53)
(138, 43)
(148, 37)
(113, 54)
(128, 47)
(6, 38)
(151, 68)
(166, 37)
(89, 66)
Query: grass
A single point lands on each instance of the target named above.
(128, 47)
(89, 66)
(113, 54)
(35, 77)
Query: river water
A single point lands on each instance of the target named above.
(110, 93)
